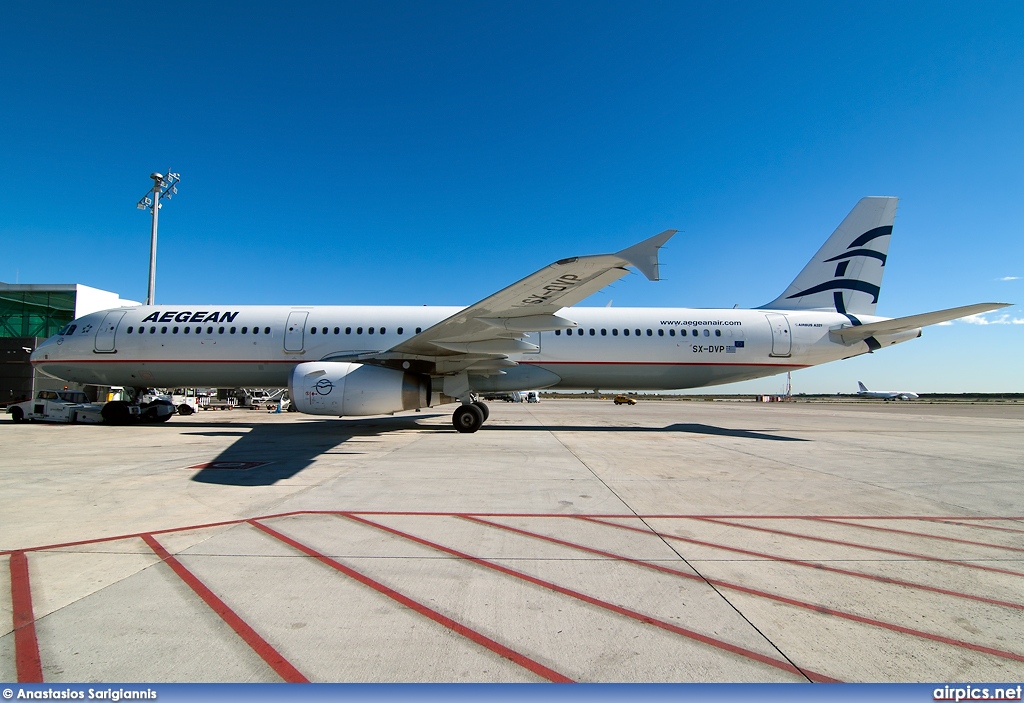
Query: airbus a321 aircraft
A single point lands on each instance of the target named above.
(863, 392)
(349, 361)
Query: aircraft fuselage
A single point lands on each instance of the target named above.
(612, 348)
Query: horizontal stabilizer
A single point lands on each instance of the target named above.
(850, 335)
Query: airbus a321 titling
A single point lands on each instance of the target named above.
(351, 361)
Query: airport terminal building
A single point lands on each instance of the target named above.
(32, 312)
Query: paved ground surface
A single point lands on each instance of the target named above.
(570, 540)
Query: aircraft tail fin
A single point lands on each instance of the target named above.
(862, 387)
(846, 273)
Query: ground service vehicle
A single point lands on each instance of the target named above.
(624, 400)
(57, 406)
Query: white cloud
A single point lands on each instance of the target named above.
(1009, 278)
(1003, 319)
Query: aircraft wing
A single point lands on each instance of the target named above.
(500, 324)
(850, 335)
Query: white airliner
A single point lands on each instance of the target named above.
(348, 361)
(885, 395)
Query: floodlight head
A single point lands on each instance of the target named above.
(157, 176)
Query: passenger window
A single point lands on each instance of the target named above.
(348, 330)
(650, 333)
(558, 333)
(579, 332)
(615, 332)
(625, 332)
(604, 333)
(399, 330)
(369, 331)
(383, 330)
(718, 333)
(694, 332)
(255, 330)
(175, 330)
(266, 330)
(188, 329)
(707, 333)
(220, 330)
(661, 333)
(359, 330)
(129, 329)
(672, 332)
(312, 330)
(245, 330)
(337, 330)
(163, 330)
(209, 330)
(592, 332)
(232, 330)
(152, 330)
(418, 330)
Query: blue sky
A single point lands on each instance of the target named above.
(432, 153)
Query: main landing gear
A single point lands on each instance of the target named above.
(470, 416)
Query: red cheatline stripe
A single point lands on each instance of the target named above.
(500, 649)
(281, 666)
(761, 594)
(647, 619)
(917, 534)
(811, 565)
(867, 547)
(26, 647)
(947, 521)
(657, 363)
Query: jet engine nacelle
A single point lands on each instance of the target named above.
(341, 388)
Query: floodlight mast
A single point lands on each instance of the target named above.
(163, 187)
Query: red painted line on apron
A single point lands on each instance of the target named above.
(948, 521)
(170, 530)
(619, 610)
(867, 547)
(812, 565)
(825, 610)
(499, 649)
(281, 666)
(26, 646)
(917, 534)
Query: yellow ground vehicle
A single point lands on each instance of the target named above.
(624, 400)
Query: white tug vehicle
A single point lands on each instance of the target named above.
(57, 406)
(75, 407)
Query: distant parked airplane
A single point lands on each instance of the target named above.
(885, 395)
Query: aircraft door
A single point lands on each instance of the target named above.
(294, 331)
(105, 334)
(782, 339)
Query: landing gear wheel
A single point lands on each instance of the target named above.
(483, 408)
(468, 418)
